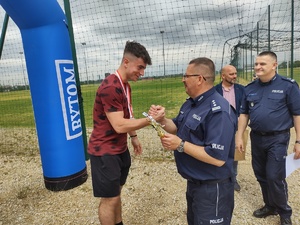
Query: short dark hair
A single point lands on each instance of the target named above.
(269, 53)
(138, 50)
(207, 63)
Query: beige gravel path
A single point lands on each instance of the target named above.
(153, 195)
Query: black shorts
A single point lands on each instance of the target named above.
(109, 173)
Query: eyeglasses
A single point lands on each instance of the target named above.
(193, 75)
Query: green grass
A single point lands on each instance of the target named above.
(168, 92)
(16, 107)
(296, 73)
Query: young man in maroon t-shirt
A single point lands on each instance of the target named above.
(113, 119)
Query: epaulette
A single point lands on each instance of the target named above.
(215, 107)
(288, 79)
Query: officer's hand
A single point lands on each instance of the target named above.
(157, 112)
(239, 144)
(170, 141)
(297, 151)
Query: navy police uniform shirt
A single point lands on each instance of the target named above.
(271, 105)
(208, 121)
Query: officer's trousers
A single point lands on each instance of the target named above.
(268, 162)
(210, 203)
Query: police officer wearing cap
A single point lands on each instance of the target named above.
(202, 138)
(271, 104)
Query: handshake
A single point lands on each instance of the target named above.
(167, 131)
(157, 126)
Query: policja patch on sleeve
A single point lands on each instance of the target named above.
(215, 107)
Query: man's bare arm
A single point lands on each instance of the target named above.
(123, 125)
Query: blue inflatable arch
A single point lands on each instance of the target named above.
(53, 89)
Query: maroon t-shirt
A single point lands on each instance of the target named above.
(110, 97)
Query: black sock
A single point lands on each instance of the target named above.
(121, 223)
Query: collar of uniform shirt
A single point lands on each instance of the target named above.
(268, 82)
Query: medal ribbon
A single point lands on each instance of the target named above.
(126, 89)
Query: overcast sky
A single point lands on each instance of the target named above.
(191, 29)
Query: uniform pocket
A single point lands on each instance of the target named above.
(280, 157)
(253, 102)
(192, 123)
(276, 101)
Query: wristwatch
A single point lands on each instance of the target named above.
(297, 142)
(180, 147)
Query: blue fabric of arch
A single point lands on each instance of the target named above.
(53, 89)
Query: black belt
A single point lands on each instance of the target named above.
(270, 133)
(219, 181)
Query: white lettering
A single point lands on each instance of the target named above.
(200, 98)
(277, 91)
(70, 88)
(216, 221)
(68, 97)
(76, 124)
(196, 117)
(72, 99)
(216, 108)
(217, 146)
(70, 78)
(73, 112)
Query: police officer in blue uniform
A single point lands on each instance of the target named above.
(272, 105)
(202, 136)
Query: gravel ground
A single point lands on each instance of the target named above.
(154, 193)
